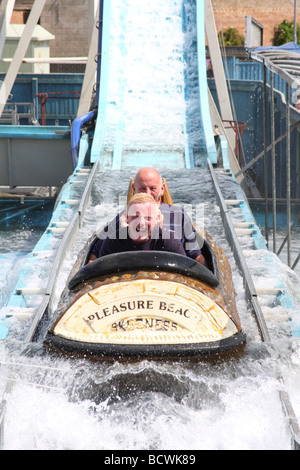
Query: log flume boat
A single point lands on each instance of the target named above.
(148, 304)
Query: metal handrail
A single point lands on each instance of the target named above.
(251, 295)
(250, 290)
(73, 227)
(238, 127)
(54, 94)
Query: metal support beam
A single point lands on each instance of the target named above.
(266, 172)
(93, 6)
(288, 174)
(273, 159)
(6, 9)
(217, 63)
(296, 220)
(295, 22)
(220, 79)
(261, 154)
(23, 44)
(296, 261)
(50, 60)
(90, 75)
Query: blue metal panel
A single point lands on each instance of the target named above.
(248, 105)
(62, 107)
(250, 70)
(95, 151)
(34, 155)
(35, 132)
(30, 214)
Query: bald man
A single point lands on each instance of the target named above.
(149, 181)
(176, 222)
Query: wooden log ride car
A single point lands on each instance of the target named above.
(148, 304)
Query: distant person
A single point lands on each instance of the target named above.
(176, 223)
(144, 231)
(209, 69)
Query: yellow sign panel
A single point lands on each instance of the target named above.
(145, 311)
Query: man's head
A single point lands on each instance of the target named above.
(149, 181)
(143, 215)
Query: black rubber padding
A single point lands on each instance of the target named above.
(122, 351)
(133, 261)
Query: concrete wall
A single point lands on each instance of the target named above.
(68, 21)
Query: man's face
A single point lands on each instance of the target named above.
(141, 219)
(149, 184)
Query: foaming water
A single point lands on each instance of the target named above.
(68, 403)
(15, 244)
(145, 90)
(75, 404)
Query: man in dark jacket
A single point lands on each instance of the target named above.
(175, 224)
(142, 231)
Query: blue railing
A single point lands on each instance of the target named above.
(76, 134)
(59, 110)
(237, 69)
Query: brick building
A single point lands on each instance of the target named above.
(269, 13)
(67, 20)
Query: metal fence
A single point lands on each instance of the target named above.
(54, 98)
(271, 147)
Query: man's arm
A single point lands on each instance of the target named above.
(201, 260)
